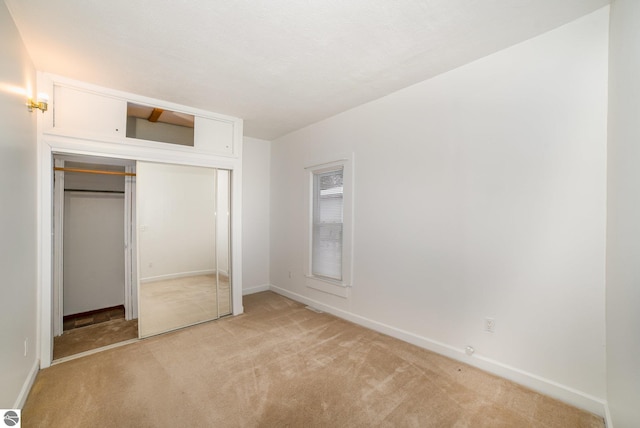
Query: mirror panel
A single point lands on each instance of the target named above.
(179, 244)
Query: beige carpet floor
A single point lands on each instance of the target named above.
(281, 365)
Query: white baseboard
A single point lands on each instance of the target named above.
(256, 289)
(545, 386)
(177, 275)
(26, 387)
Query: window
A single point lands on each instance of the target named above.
(326, 239)
(328, 250)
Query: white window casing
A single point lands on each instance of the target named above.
(329, 246)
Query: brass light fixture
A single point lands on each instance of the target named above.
(41, 104)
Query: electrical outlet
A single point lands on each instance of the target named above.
(289, 274)
(489, 325)
(26, 346)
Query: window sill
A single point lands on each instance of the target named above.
(328, 286)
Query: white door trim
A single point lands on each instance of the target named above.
(58, 248)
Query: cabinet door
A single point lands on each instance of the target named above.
(77, 112)
(214, 136)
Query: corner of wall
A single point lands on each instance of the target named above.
(608, 421)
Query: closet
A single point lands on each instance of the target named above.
(155, 242)
(181, 239)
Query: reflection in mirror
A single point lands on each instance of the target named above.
(183, 252)
(156, 124)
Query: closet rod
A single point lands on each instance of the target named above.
(92, 171)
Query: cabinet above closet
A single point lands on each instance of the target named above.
(84, 111)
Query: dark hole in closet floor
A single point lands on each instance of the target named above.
(92, 317)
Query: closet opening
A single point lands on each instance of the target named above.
(94, 286)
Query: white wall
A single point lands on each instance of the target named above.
(94, 253)
(478, 193)
(18, 252)
(623, 216)
(99, 182)
(94, 256)
(255, 215)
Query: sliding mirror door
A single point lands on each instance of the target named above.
(183, 246)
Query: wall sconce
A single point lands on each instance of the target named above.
(41, 104)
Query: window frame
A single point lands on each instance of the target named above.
(325, 284)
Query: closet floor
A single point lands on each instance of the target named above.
(94, 336)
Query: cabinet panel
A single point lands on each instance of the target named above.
(80, 112)
(213, 136)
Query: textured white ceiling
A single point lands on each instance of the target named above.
(278, 64)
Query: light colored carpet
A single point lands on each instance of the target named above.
(281, 365)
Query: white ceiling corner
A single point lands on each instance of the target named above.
(278, 64)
